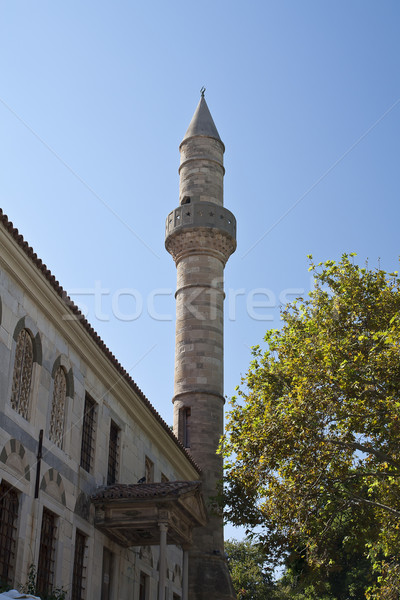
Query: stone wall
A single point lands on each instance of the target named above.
(64, 486)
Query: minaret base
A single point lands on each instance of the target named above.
(209, 578)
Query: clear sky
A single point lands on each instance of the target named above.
(95, 98)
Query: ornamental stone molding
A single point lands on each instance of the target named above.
(14, 456)
(53, 485)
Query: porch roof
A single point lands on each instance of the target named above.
(131, 514)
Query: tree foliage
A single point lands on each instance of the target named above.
(251, 577)
(312, 443)
(302, 581)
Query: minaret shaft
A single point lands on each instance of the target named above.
(201, 235)
(199, 325)
(201, 171)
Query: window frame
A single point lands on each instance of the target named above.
(108, 566)
(58, 409)
(144, 586)
(8, 532)
(185, 414)
(79, 571)
(88, 442)
(46, 568)
(113, 453)
(149, 469)
(22, 374)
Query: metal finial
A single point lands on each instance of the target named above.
(203, 89)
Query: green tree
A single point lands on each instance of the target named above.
(312, 442)
(251, 577)
(350, 579)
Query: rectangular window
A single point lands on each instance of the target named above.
(144, 587)
(149, 470)
(79, 572)
(113, 454)
(108, 560)
(184, 426)
(8, 532)
(45, 571)
(88, 431)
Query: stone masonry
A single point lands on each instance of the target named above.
(200, 236)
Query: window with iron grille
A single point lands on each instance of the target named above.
(45, 571)
(79, 573)
(56, 433)
(22, 375)
(8, 532)
(113, 454)
(88, 431)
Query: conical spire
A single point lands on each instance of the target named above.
(202, 122)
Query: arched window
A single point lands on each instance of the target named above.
(56, 433)
(22, 375)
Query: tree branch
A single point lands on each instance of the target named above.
(382, 456)
(393, 511)
(362, 474)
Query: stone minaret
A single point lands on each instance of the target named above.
(200, 236)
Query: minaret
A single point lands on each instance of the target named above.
(200, 236)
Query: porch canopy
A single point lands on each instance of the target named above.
(136, 514)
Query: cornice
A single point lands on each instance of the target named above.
(190, 240)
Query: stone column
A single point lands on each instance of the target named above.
(163, 561)
(185, 580)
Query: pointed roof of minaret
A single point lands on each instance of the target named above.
(202, 122)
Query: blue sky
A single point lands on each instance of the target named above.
(95, 98)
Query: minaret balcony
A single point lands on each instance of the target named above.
(200, 214)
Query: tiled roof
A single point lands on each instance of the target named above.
(71, 306)
(145, 490)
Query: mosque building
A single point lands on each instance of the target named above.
(98, 496)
